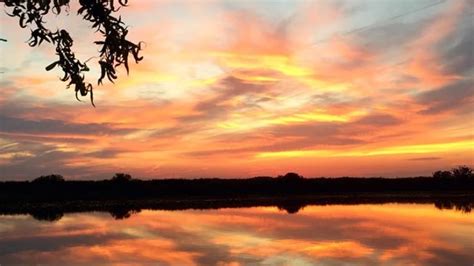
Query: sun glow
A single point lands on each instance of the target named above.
(406, 149)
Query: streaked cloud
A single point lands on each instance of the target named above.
(235, 89)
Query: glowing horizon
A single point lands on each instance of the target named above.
(242, 89)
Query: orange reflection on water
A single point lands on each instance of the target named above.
(393, 234)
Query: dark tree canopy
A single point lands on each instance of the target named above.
(114, 51)
(442, 174)
(121, 177)
(290, 176)
(461, 172)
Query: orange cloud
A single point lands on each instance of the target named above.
(232, 91)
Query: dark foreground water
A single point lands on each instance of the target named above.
(387, 234)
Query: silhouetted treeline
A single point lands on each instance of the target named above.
(49, 197)
(122, 186)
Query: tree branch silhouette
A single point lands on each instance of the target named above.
(115, 47)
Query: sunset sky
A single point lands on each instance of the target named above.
(248, 88)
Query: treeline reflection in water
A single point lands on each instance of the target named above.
(124, 209)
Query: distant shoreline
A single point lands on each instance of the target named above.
(52, 197)
(54, 190)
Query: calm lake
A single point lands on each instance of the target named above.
(388, 234)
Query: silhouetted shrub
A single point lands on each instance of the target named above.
(290, 176)
(442, 175)
(121, 177)
(49, 179)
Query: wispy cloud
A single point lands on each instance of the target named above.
(240, 88)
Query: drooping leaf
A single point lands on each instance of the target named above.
(51, 66)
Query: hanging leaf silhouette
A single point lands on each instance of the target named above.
(115, 48)
(48, 68)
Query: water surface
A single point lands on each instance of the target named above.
(388, 234)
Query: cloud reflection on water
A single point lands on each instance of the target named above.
(389, 234)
